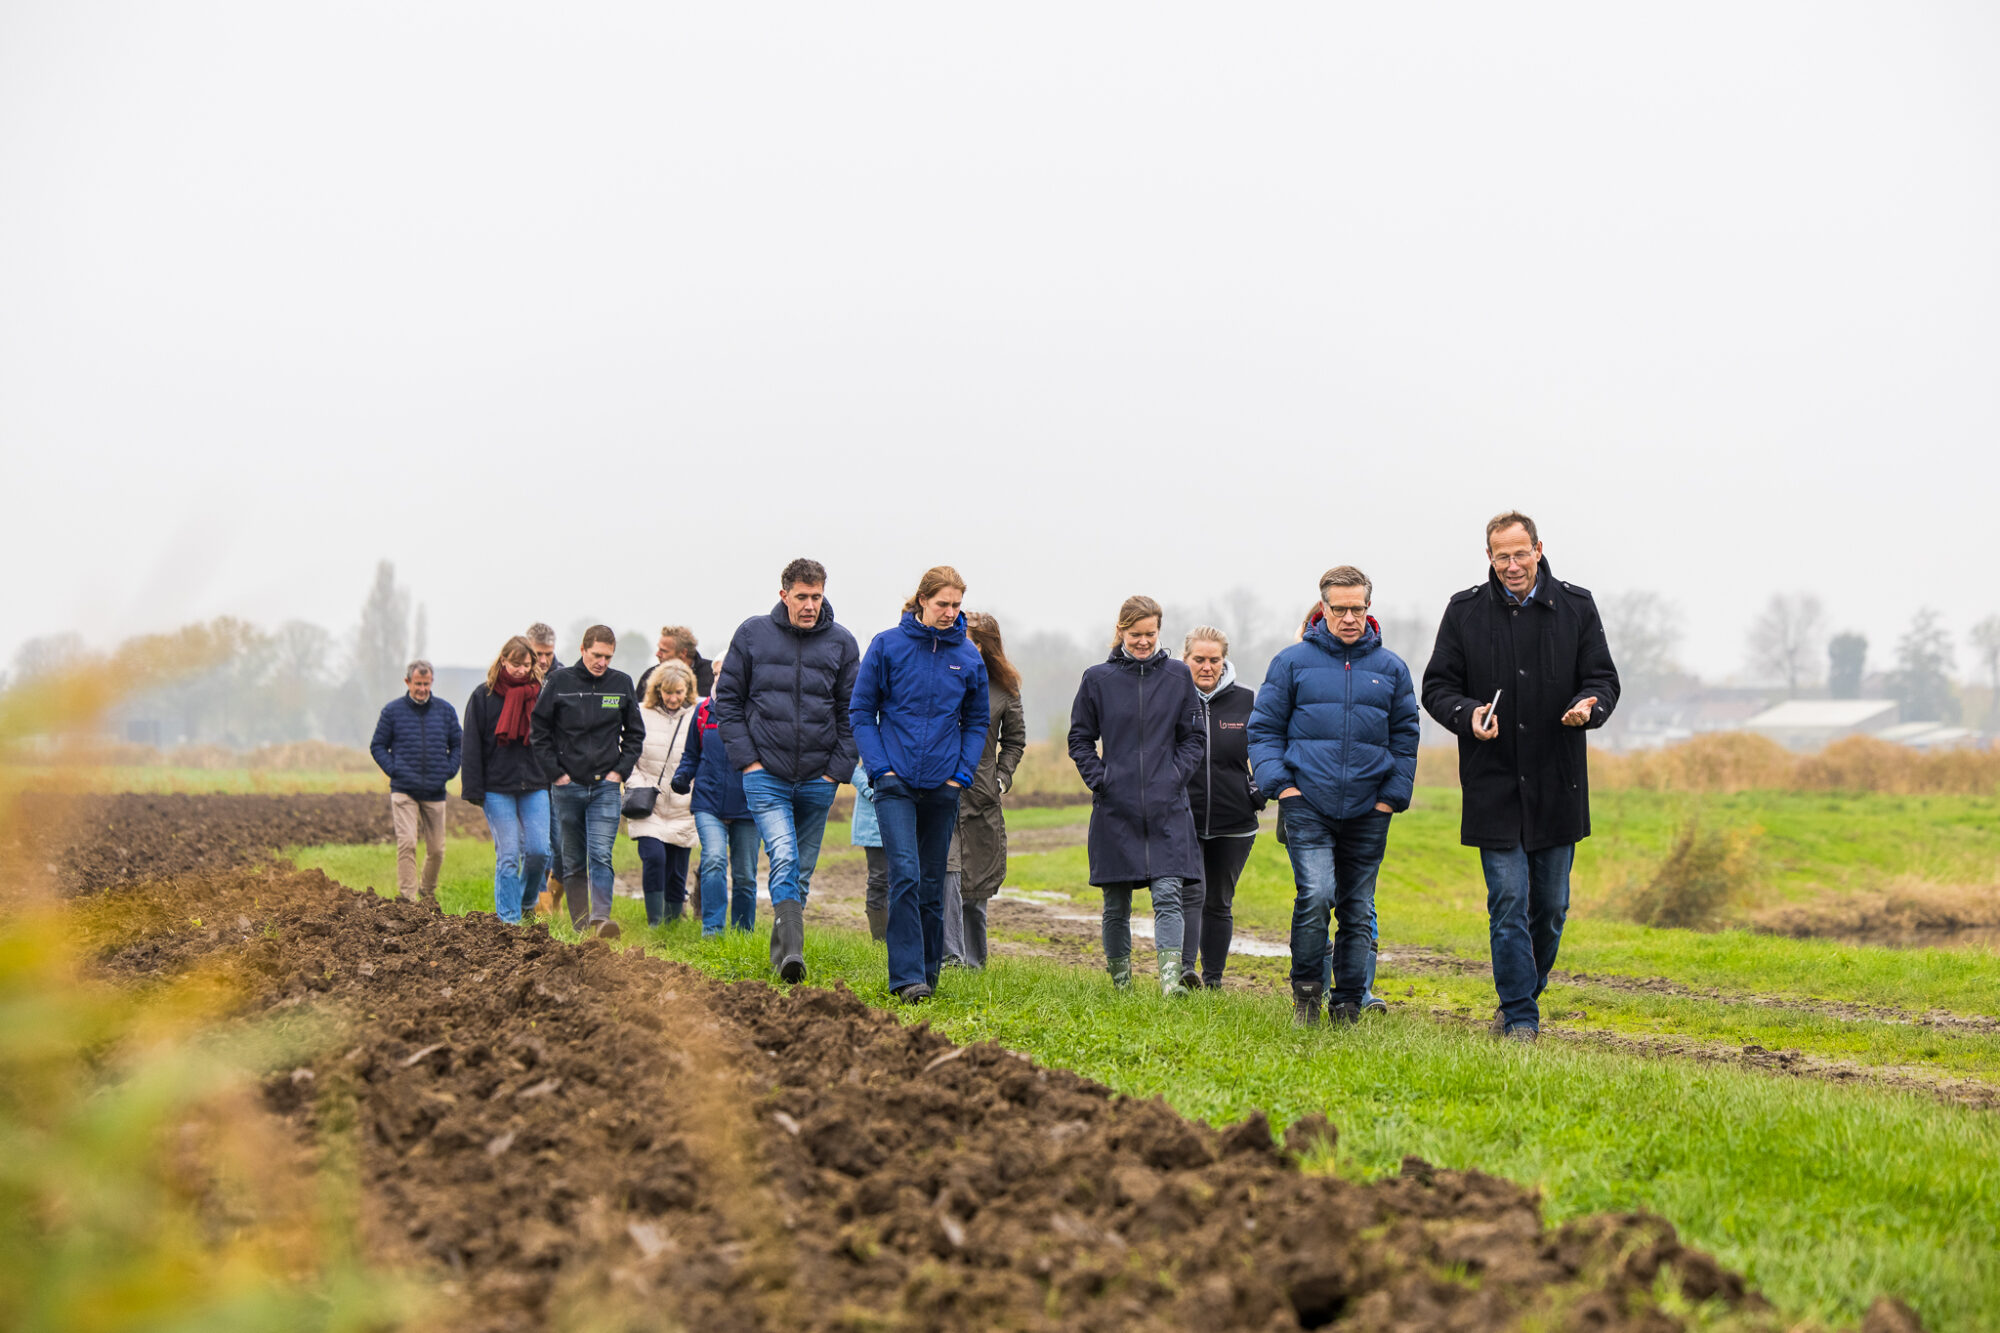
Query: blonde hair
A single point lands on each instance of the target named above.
(514, 646)
(1347, 576)
(936, 577)
(1205, 633)
(1131, 611)
(670, 672)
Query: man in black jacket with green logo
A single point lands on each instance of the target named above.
(588, 733)
(1536, 644)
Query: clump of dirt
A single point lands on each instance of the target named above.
(94, 842)
(608, 1139)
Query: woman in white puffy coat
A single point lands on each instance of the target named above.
(666, 835)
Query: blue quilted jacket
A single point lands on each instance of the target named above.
(1339, 722)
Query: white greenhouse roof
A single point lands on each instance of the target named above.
(1820, 714)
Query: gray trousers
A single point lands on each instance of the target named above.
(964, 924)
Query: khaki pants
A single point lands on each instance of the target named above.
(411, 817)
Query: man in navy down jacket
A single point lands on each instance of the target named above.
(418, 743)
(1334, 734)
(782, 702)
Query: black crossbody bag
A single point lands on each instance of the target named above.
(639, 801)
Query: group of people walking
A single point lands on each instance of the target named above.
(927, 725)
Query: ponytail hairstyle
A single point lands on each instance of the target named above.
(1001, 674)
(1134, 609)
(936, 577)
(513, 651)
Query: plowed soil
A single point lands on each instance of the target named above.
(576, 1136)
(97, 841)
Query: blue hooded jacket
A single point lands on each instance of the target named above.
(1339, 722)
(706, 771)
(919, 708)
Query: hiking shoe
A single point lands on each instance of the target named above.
(1343, 1015)
(1498, 1027)
(1374, 1004)
(1305, 1006)
(1526, 1032)
(915, 993)
(608, 930)
(1191, 980)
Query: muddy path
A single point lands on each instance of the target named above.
(576, 1133)
(1066, 931)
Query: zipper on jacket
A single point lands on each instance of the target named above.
(1208, 769)
(1145, 809)
(798, 704)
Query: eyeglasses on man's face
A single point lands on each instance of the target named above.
(1347, 612)
(1502, 559)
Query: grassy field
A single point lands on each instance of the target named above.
(1824, 1195)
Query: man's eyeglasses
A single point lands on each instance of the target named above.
(1347, 613)
(1524, 559)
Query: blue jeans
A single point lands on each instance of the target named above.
(555, 842)
(588, 814)
(520, 826)
(917, 824)
(1374, 944)
(728, 872)
(663, 878)
(1167, 923)
(791, 818)
(1527, 900)
(1334, 862)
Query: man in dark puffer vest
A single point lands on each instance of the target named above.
(782, 701)
(418, 743)
(1334, 734)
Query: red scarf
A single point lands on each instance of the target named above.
(517, 691)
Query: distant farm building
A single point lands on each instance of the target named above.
(1930, 736)
(1810, 724)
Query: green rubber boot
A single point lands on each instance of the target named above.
(1121, 971)
(1170, 973)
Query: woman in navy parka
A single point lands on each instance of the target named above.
(1142, 705)
(920, 716)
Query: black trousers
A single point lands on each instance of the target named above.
(1206, 907)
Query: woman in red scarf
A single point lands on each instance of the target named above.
(503, 779)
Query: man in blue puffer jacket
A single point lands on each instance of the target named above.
(418, 743)
(1334, 733)
(920, 715)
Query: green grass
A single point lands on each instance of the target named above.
(1823, 1195)
(1431, 894)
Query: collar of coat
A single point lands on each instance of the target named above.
(1544, 590)
(917, 629)
(1119, 657)
(1319, 636)
(782, 617)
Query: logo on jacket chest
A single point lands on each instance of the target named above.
(1231, 726)
(607, 701)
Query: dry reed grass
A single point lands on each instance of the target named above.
(1734, 761)
(1906, 908)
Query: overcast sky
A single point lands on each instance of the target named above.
(609, 310)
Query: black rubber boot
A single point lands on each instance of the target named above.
(878, 924)
(576, 888)
(1305, 1006)
(788, 940)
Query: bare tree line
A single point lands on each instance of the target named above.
(304, 682)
